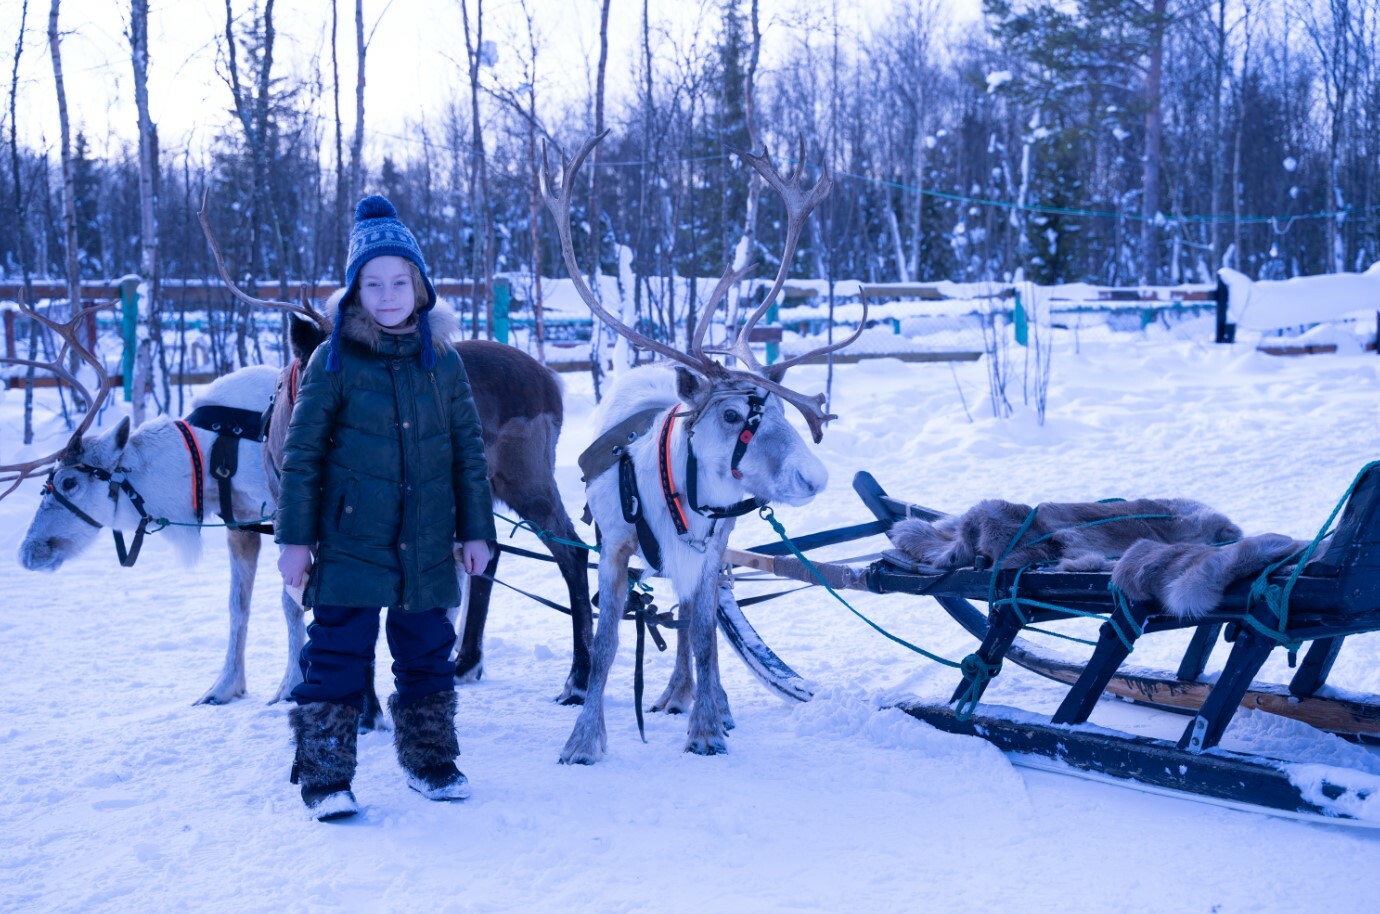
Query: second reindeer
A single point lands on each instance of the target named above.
(679, 455)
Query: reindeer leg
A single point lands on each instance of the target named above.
(536, 500)
(244, 560)
(293, 615)
(469, 643)
(572, 562)
(707, 732)
(589, 740)
(679, 696)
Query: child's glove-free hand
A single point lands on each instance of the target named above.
(293, 564)
(475, 556)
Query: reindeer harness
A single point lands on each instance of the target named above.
(612, 447)
(229, 423)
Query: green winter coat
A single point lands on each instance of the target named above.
(384, 469)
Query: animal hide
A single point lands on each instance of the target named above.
(1189, 579)
(1179, 552)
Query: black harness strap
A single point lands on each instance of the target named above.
(631, 502)
(231, 425)
(229, 420)
(737, 509)
(118, 483)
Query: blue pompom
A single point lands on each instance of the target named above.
(375, 207)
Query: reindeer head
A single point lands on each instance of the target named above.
(77, 500)
(800, 201)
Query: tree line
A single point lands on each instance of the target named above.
(1116, 142)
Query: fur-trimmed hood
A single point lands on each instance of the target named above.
(359, 327)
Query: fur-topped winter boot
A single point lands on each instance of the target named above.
(424, 733)
(325, 733)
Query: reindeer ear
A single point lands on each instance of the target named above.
(122, 434)
(688, 384)
(71, 454)
(304, 336)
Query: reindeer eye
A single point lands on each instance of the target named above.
(732, 416)
(69, 484)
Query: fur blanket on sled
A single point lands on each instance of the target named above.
(1176, 551)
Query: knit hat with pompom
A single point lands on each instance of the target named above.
(379, 232)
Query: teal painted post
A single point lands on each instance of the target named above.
(503, 297)
(773, 349)
(129, 329)
(1018, 316)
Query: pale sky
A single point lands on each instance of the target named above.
(415, 60)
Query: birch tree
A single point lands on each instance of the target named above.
(69, 194)
(149, 262)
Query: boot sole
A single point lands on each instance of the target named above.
(446, 794)
(334, 808)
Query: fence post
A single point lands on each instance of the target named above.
(503, 297)
(129, 330)
(1018, 317)
(773, 349)
(1226, 332)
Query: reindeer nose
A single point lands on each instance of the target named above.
(806, 485)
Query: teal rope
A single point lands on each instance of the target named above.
(159, 523)
(1276, 597)
(1017, 602)
(977, 671)
(545, 536)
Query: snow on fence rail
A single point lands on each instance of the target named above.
(940, 321)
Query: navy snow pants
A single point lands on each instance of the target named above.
(339, 654)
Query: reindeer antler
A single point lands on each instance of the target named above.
(304, 308)
(800, 201)
(558, 201)
(67, 332)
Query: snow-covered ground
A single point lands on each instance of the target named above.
(119, 795)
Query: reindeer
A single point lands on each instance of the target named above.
(124, 478)
(721, 446)
(521, 411)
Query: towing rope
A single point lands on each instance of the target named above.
(976, 671)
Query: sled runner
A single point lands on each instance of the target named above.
(1315, 602)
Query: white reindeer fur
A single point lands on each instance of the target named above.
(777, 465)
(160, 470)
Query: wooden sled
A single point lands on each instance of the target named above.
(1329, 599)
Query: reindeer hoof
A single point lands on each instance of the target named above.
(467, 675)
(570, 697)
(571, 755)
(709, 746)
(219, 696)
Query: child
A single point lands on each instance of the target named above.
(383, 469)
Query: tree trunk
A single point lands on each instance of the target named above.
(747, 243)
(1219, 66)
(340, 229)
(481, 258)
(595, 235)
(534, 205)
(21, 216)
(69, 193)
(1154, 129)
(357, 146)
(149, 263)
